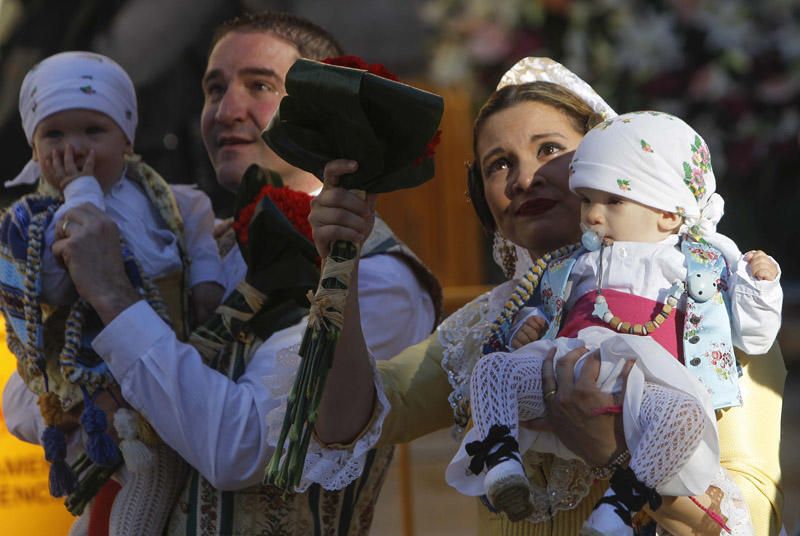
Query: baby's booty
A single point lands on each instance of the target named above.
(508, 489)
(505, 483)
(613, 513)
(606, 520)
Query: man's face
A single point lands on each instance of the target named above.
(243, 85)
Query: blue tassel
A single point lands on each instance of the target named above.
(62, 479)
(100, 448)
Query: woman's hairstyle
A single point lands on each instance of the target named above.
(311, 41)
(579, 113)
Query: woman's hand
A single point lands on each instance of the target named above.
(337, 213)
(572, 408)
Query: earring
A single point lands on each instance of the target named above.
(505, 255)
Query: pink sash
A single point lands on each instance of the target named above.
(630, 308)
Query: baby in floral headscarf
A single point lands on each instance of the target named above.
(79, 115)
(653, 281)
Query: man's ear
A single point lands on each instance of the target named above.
(669, 222)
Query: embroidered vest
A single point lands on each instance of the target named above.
(203, 510)
(707, 347)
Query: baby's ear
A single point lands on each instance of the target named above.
(669, 222)
(34, 153)
(128, 149)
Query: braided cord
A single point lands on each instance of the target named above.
(495, 341)
(33, 352)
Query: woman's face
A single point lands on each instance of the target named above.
(524, 153)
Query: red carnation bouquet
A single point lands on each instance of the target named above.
(357, 63)
(380, 70)
(360, 111)
(295, 205)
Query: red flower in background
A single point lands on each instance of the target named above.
(295, 205)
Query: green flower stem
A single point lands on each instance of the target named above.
(285, 468)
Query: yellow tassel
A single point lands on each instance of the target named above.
(50, 407)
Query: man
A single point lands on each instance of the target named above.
(218, 421)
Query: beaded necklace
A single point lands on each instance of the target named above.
(604, 313)
(495, 341)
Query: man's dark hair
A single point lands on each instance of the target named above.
(311, 41)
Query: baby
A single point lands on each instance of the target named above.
(655, 282)
(79, 115)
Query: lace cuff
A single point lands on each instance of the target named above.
(333, 466)
(732, 506)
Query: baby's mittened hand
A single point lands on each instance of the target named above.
(531, 330)
(761, 266)
(60, 167)
(206, 297)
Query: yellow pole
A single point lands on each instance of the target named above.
(406, 495)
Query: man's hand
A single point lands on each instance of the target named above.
(530, 330)
(338, 214)
(88, 243)
(761, 266)
(206, 296)
(571, 408)
(221, 227)
(59, 168)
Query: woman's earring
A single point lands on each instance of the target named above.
(509, 260)
(505, 255)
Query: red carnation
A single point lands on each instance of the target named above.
(430, 148)
(295, 205)
(355, 62)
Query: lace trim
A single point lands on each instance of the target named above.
(329, 467)
(462, 335)
(568, 483)
(733, 507)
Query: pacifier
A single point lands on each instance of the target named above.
(591, 239)
(701, 286)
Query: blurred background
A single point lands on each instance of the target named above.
(730, 68)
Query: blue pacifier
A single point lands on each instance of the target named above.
(591, 239)
(701, 286)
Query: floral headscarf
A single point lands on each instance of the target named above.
(74, 80)
(655, 159)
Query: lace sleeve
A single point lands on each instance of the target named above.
(462, 335)
(334, 466)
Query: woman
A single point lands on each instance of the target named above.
(518, 183)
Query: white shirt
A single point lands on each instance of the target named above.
(217, 425)
(144, 231)
(650, 269)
